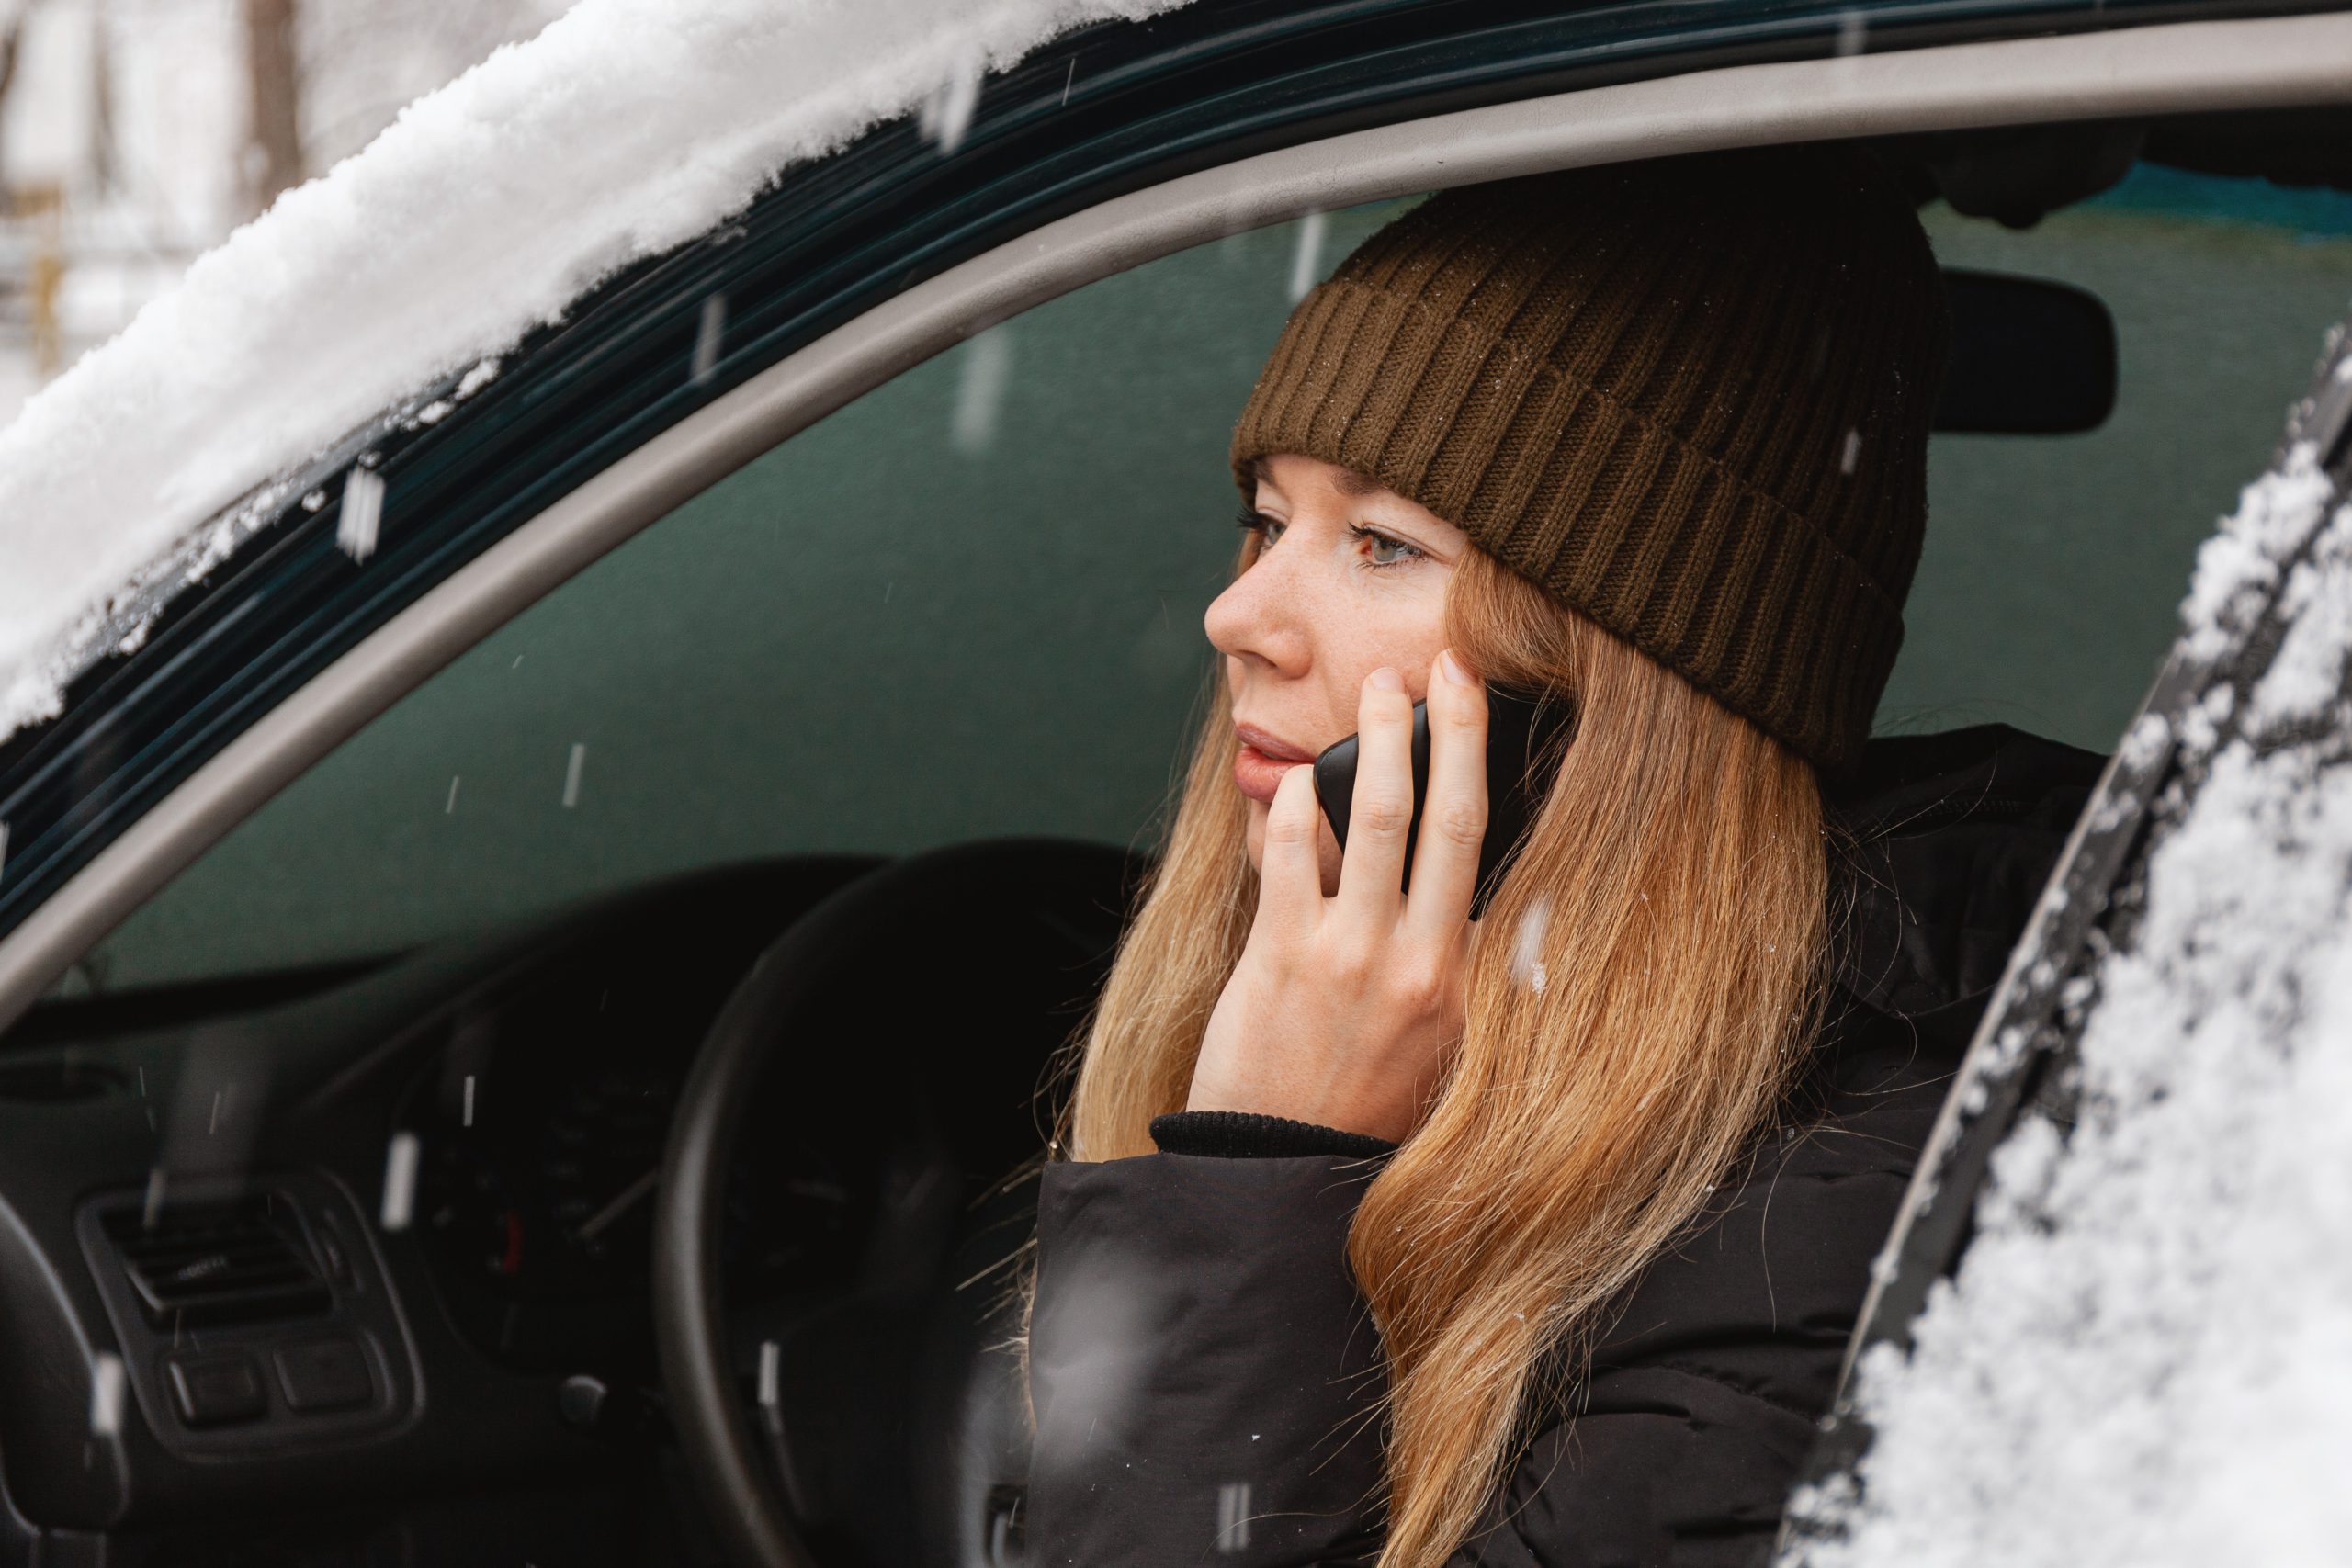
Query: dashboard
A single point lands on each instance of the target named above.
(356, 1266)
(541, 1127)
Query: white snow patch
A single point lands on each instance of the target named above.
(2144, 742)
(2146, 1357)
(2238, 566)
(2306, 678)
(626, 127)
(475, 379)
(2200, 726)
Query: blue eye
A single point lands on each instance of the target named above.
(1387, 549)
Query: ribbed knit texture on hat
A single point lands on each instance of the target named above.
(1690, 398)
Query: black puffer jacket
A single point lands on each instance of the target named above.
(1201, 1360)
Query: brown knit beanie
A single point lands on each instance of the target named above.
(1688, 398)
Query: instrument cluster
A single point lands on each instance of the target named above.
(542, 1123)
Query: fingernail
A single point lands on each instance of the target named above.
(1386, 680)
(1454, 670)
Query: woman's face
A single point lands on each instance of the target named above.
(1349, 577)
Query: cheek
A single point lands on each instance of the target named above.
(1405, 635)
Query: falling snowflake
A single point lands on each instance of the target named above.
(363, 514)
(1307, 260)
(988, 366)
(1527, 945)
(710, 338)
(400, 1183)
(946, 114)
(105, 1394)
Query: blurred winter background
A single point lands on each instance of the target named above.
(135, 134)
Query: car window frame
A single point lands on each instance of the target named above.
(2171, 67)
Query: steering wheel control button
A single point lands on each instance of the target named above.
(581, 1400)
(217, 1390)
(324, 1374)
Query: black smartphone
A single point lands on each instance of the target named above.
(1526, 736)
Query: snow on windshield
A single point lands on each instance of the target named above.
(626, 127)
(2146, 1356)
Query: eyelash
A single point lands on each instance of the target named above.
(1257, 521)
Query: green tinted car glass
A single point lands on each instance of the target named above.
(966, 605)
(2054, 565)
(969, 604)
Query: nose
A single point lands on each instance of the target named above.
(1258, 620)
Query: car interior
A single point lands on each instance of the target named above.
(760, 875)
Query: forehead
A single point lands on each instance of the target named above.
(1347, 481)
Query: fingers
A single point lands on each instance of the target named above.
(1454, 823)
(1380, 813)
(1290, 873)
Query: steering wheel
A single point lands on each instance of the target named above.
(1007, 941)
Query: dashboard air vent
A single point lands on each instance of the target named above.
(242, 1261)
(58, 1083)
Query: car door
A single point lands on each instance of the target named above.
(2092, 1331)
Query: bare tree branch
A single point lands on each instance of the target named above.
(274, 156)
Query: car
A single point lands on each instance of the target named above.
(530, 941)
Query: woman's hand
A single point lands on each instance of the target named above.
(1341, 1010)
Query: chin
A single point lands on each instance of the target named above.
(1253, 835)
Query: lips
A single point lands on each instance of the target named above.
(1259, 767)
(1269, 745)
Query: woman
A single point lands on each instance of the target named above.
(1386, 1234)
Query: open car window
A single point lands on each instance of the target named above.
(968, 604)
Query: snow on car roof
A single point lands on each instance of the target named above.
(626, 127)
(2146, 1355)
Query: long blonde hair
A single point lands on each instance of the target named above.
(1639, 993)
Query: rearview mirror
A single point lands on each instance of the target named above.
(2029, 356)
